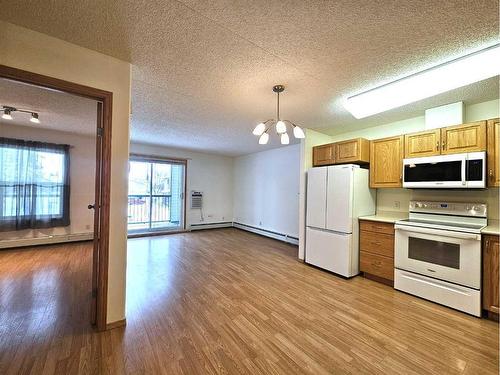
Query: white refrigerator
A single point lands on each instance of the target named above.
(336, 197)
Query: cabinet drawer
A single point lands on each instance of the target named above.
(377, 265)
(377, 227)
(377, 243)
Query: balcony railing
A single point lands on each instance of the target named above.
(149, 211)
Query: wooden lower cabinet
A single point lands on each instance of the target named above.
(376, 250)
(491, 259)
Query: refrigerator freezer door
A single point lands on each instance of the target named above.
(339, 199)
(330, 251)
(316, 197)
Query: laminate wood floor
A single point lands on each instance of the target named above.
(226, 301)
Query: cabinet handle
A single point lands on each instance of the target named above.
(444, 145)
(376, 263)
(437, 146)
(491, 174)
(375, 243)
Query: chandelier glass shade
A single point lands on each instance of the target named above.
(281, 126)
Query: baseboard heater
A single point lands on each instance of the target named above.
(45, 240)
(268, 233)
(221, 224)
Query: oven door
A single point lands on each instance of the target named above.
(441, 254)
(443, 171)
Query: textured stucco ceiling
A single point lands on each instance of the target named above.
(56, 110)
(203, 70)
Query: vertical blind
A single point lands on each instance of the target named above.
(34, 184)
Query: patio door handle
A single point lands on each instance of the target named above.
(91, 206)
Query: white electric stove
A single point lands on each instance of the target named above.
(438, 253)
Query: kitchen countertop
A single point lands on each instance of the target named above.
(386, 216)
(492, 228)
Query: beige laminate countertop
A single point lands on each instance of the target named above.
(492, 228)
(386, 216)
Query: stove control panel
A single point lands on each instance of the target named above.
(449, 208)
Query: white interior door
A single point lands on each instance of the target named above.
(316, 197)
(339, 199)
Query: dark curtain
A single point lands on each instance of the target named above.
(34, 185)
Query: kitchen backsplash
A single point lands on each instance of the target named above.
(398, 199)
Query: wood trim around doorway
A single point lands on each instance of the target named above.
(106, 98)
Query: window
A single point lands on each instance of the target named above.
(156, 193)
(34, 185)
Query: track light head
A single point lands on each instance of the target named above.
(7, 113)
(34, 118)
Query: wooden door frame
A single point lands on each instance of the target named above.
(106, 98)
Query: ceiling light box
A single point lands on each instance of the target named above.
(445, 77)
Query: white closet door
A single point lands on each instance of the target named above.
(316, 197)
(339, 199)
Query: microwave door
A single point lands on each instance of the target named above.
(475, 170)
(445, 171)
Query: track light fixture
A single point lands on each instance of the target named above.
(261, 130)
(7, 113)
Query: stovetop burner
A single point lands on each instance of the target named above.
(450, 216)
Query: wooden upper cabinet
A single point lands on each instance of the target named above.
(421, 144)
(352, 151)
(323, 155)
(493, 152)
(491, 259)
(464, 138)
(386, 162)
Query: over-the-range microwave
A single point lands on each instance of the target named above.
(456, 171)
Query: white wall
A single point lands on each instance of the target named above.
(82, 177)
(211, 174)
(266, 190)
(35, 52)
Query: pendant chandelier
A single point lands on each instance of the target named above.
(262, 129)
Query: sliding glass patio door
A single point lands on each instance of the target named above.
(156, 195)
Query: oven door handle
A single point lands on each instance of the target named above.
(439, 232)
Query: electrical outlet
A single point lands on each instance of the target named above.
(397, 204)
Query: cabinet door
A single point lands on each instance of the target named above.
(352, 151)
(386, 162)
(491, 249)
(426, 143)
(464, 138)
(323, 155)
(493, 152)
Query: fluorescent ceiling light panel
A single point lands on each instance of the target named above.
(445, 77)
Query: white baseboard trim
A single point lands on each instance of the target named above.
(201, 226)
(268, 233)
(45, 240)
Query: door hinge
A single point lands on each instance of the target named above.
(100, 132)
